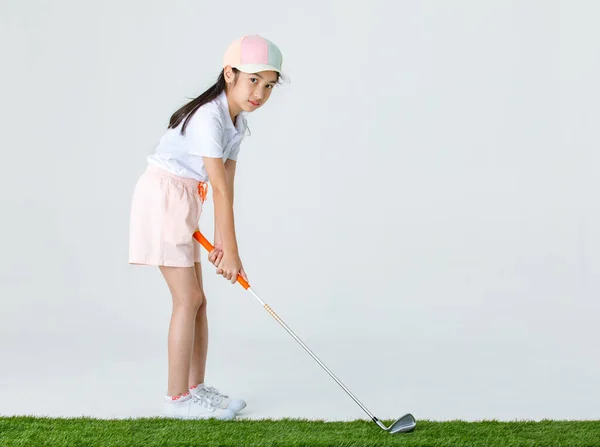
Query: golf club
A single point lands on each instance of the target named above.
(405, 424)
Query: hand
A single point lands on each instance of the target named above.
(230, 266)
(243, 273)
(216, 255)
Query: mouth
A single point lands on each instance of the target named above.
(254, 103)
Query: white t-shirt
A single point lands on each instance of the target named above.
(210, 133)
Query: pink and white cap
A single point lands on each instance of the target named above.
(253, 54)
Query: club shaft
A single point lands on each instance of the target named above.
(285, 326)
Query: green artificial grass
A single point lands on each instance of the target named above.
(32, 431)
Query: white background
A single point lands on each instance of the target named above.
(420, 205)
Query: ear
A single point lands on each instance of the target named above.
(229, 74)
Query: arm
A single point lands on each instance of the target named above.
(223, 201)
(204, 139)
(230, 166)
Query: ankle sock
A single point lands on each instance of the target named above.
(181, 398)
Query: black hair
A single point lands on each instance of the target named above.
(188, 110)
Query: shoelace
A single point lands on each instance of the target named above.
(202, 400)
(215, 391)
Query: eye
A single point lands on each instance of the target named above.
(253, 80)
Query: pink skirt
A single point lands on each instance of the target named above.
(165, 211)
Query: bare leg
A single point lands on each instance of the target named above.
(200, 349)
(187, 299)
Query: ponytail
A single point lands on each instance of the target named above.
(188, 110)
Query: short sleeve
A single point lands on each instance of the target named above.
(233, 155)
(204, 133)
(246, 131)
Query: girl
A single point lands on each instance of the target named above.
(201, 145)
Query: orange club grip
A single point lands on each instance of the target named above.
(209, 247)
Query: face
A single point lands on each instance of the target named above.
(252, 90)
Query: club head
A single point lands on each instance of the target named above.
(405, 424)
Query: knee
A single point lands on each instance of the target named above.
(193, 302)
(202, 305)
(199, 300)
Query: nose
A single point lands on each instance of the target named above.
(258, 94)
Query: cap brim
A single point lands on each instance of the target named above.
(257, 68)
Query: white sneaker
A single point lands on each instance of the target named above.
(218, 399)
(190, 406)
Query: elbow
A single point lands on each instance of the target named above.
(221, 193)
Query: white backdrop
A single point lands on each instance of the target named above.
(420, 205)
